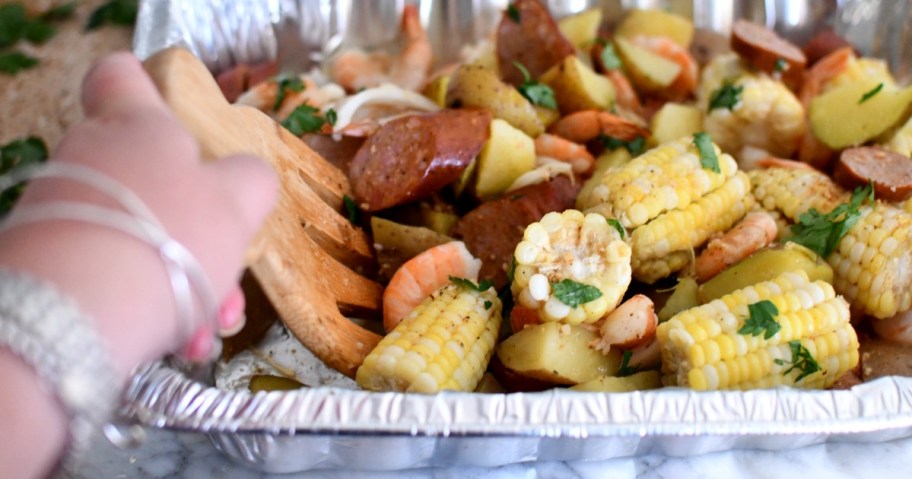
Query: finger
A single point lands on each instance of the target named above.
(201, 346)
(119, 84)
(250, 187)
(231, 314)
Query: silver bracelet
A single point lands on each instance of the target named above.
(49, 332)
(187, 277)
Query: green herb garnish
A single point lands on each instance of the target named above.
(801, 360)
(708, 158)
(513, 13)
(12, 63)
(293, 84)
(487, 305)
(725, 97)
(15, 154)
(761, 320)
(537, 93)
(60, 12)
(351, 208)
(481, 287)
(13, 22)
(573, 293)
(114, 12)
(609, 57)
(304, 119)
(331, 116)
(781, 65)
(867, 96)
(625, 369)
(822, 233)
(618, 226)
(634, 146)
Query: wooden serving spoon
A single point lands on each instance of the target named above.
(302, 256)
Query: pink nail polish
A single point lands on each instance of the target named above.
(231, 312)
(200, 346)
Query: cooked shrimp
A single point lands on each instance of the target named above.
(631, 324)
(567, 151)
(264, 94)
(624, 94)
(646, 356)
(686, 82)
(356, 69)
(755, 231)
(582, 126)
(811, 150)
(897, 329)
(420, 276)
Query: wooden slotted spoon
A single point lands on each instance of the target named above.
(300, 256)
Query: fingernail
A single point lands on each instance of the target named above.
(200, 346)
(231, 313)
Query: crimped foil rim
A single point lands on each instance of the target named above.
(164, 397)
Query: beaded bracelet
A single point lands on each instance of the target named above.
(47, 330)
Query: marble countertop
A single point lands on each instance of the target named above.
(168, 454)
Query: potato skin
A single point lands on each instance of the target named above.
(473, 86)
(577, 87)
(869, 118)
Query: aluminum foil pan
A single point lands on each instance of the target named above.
(333, 426)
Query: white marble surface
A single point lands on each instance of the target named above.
(168, 454)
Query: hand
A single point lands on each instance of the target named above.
(213, 209)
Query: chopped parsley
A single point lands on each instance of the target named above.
(727, 96)
(801, 360)
(513, 13)
(708, 158)
(618, 226)
(304, 119)
(60, 12)
(487, 305)
(610, 59)
(573, 293)
(19, 153)
(293, 84)
(537, 93)
(114, 12)
(331, 116)
(351, 208)
(761, 320)
(867, 96)
(822, 233)
(12, 63)
(481, 287)
(13, 23)
(626, 369)
(634, 146)
(781, 65)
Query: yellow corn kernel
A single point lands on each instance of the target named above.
(444, 344)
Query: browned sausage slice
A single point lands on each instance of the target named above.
(890, 172)
(763, 49)
(823, 43)
(528, 34)
(412, 157)
(493, 229)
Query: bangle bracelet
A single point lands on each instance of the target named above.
(46, 330)
(185, 274)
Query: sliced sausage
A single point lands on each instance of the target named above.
(890, 172)
(339, 153)
(824, 43)
(493, 229)
(763, 49)
(528, 34)
(412, 157)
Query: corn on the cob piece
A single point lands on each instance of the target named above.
(671, 203)
(585, 249)
(445, 343)
(872, 264)
(767, 114)
(702, 347)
